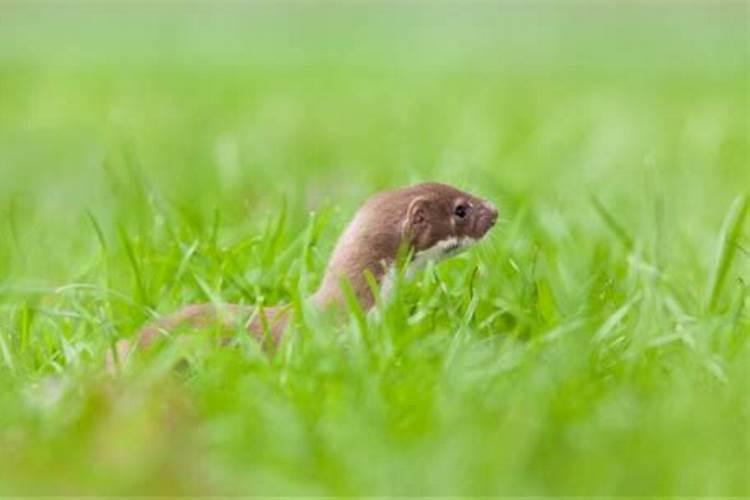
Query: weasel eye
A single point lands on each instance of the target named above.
(460, 211)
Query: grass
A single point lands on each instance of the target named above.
(597, 343)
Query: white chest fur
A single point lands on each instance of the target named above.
(440, 250)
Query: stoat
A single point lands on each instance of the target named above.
(426, 221)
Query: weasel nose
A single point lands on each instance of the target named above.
(491, 212)
(486, 217)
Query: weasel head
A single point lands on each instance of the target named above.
(441, 220)
(432, 220)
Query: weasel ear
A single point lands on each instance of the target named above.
(416, 215)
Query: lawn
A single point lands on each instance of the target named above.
(596, 343)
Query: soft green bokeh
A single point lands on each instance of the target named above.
(596, 344)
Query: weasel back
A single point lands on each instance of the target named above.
(266, 327)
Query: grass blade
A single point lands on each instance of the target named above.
(614, 225)
(98, 230)
(274, 235)
(615, 318)
(5, 352)
(356, 312)
(140, 286)
(726, 249)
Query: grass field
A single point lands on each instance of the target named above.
(597, 343)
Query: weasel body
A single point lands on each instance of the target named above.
(431, 221)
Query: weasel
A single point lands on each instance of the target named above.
(428, 221)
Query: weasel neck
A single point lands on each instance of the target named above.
(359, 251)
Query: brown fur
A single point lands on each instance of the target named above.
(414, 218)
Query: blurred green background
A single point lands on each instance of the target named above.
(597, 343)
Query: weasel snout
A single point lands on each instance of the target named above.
(486, 217)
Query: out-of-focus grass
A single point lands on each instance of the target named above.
(597, 343)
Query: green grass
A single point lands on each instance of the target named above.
(597, 343)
